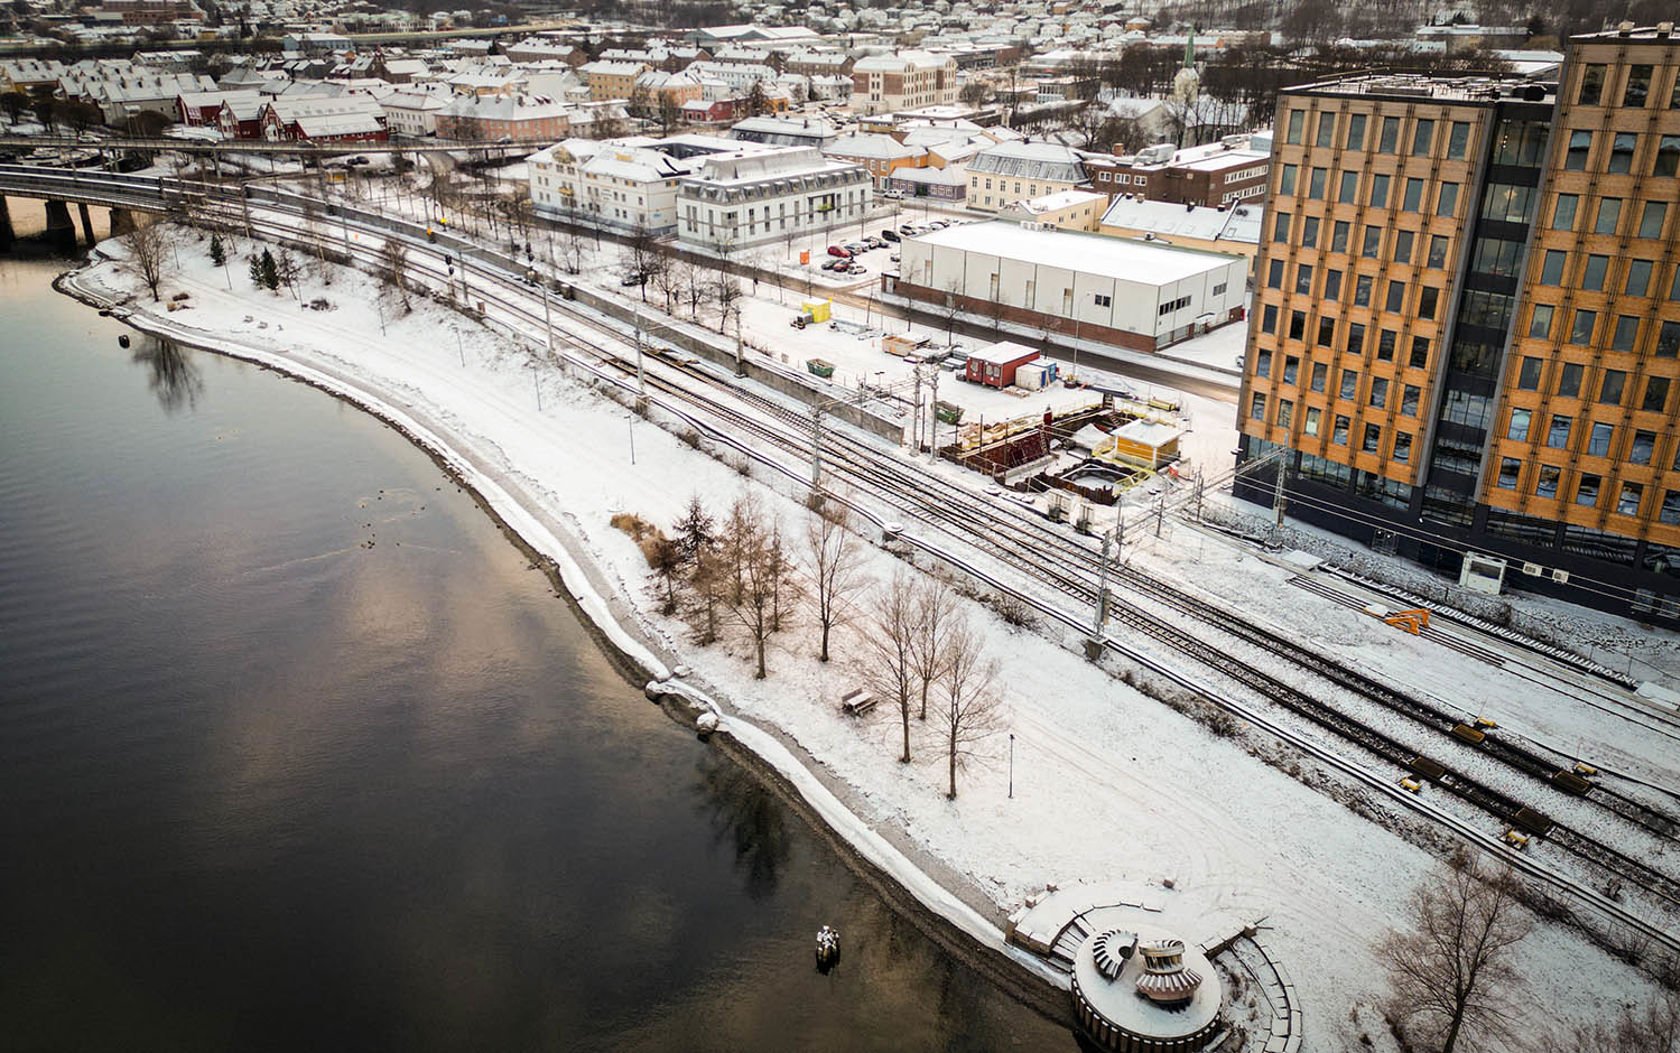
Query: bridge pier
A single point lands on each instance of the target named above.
(87, 224)
(61, 229)
(122, 222)
(6, 235)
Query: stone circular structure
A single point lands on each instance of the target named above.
(1145, 992)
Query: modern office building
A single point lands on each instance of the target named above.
(1467, 319)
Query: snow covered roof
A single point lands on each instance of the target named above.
(1118, 258)
(1047, 161)
(871, 147)
(1038, 206)
(1165, 219)
(1003, 352)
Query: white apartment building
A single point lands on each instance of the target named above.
(767, 193)
(413, 113)
(618, 183)
(905, 81)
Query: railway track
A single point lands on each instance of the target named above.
(947, 506)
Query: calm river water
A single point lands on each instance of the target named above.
(296, 752)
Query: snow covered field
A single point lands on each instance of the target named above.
(1108, 784)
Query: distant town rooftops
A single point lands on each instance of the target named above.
(1475, 88)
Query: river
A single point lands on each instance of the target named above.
(297, 751)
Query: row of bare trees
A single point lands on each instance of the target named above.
(924, 656)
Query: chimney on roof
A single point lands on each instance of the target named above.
(1625, 29)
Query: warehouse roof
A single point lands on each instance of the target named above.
(1109, 257)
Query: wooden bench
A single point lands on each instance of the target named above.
(857, 703)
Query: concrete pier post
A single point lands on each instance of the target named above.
(6, 234)
(87, 223)
(61, 229)
(122, 222)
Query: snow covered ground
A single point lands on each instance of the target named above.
(1107, 783)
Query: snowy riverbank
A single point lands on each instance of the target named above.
(1106, 784)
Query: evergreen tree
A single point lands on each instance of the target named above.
(270, 272)
(218, 254)
(256, 272)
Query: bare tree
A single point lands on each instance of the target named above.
(950, 309)
(393, 270)
(1451, 972)
(968, 680)
(936, 620)
(697, 289)
(890, 643)
(640, 250)
(726, 297)
(288, 270)
(835, 557)
(668, 279)
(757, 568)
(147, 245)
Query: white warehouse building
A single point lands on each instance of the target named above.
(1080, 286)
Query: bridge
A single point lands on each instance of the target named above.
(284, 148)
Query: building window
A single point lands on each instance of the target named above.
(1668, 339)
(1651, 219)
(1638, 88)
(1509, 469)
(1569, 380)
(1362, 291)
(1580, 144)
(1280, 226)
(1409, 396)
(1315, 184)
(1349, 191)
(1518, 429)
(1385, 345)
(1621, 152)
(1626, 333)
(1263, 364)
(1350, 383)
(1670, 512)
(1309, 232)
(1668, 156)
(1540, 322)
(1372, 243)
(1458, 140)
(1355, 132)
(1326, 130)
(1396, 296)
(1310, 426)
(1427, 301)
(1447, 203)
(1609, 215)
(1592, 85)
(1389, 139)
(1551, 267)
(1291, 369)
(1402, 446)
(1638, 277)
(1656, 395)
(1615, 384)
(1592, 279)
(1598, 440)
(1412, 199)
(1373, 439)
(1332, 286)
(1581, 329)
(1563, 213)
(1546, 483)
(1629, 500)
(1319, 371)
(1297, 324)
(1437, 251)
(1557, 436)
(1586, 491)
(1403, 246)
(1378, 398)
(1423, 137)
(1303, 278)
(1286, 413)
(1297, 118)
(1528, 375)
(1286, 179)
(1339, 431)
(1356, 336)
(1257, 407)
(1268, 318)
(1643, 446)
(1420, 352)
(1274, 274)
(1339, 236)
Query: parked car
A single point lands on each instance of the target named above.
(893, 257)
(634, 278)
(857, 268)
(892, 195)
(875, 243)
(829, 265)
(842, 266)
(835, 250)
(938, 224)
(856, 248)
(907, 229)
(889, 235)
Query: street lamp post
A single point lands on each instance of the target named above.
(1011, 765)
